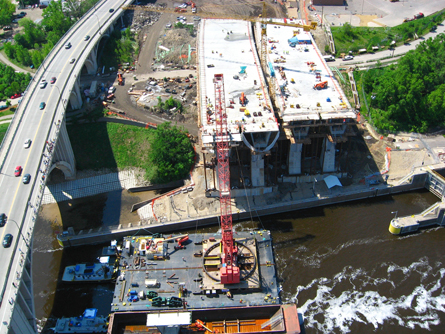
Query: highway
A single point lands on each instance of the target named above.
(20, 201)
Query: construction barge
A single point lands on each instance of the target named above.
(173, 285)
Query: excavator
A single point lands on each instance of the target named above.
(243, 100)
(321, 85)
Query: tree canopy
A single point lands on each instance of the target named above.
(11, 82)
(37, 40)
(6, 11)
(171, 153)
(410, 96)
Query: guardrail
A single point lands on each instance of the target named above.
(12, 129)
(39, 73)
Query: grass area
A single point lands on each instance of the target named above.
(9, 111)
(110, 145)
(348, 38)
(363, 103)
(3, 129)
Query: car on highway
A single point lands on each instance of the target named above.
(7, 240)
(53, 80)
(43, 84)
(15, 96)
(26, 178)
(111, 10)
(348, 57)
(72, 60)
(42, 105)
(27, 143)
(87, 37)
(2, 219)
(68, 45)
(18, 171)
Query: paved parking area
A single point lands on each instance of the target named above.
(378, 12)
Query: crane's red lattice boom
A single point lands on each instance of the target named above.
(229, 271)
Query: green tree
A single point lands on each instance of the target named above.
(55, 20)
(6, 11)
(171, 153)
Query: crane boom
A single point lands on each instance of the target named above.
(229, 271)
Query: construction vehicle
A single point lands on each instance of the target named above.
(180, 10)
(321, 85)
(120, 79)
(243, 100)
(181, 242)
(229, 270)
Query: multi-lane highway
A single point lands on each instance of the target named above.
(20, 201)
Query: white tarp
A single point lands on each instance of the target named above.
(332, 181)
(169, 319)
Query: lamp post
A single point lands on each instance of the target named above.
(20, 231)
(395, 212)
(98, 23)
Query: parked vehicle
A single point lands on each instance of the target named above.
(348, 57)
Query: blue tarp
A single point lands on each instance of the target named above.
(272, 71)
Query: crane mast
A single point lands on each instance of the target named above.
(229, 270)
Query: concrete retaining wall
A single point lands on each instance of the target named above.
(105, 234)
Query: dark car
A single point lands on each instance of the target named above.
(53, 80)
(42, 105)
(167, 90)
(7, 240)
(174, 91)
(26, 178)
(2, 219)
(111, 10)
(5, 28)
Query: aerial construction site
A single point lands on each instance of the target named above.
(286, 113)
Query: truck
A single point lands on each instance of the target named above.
(329, 58)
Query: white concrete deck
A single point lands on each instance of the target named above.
(224, 47)
(303, 63)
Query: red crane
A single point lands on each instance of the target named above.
(229, 271)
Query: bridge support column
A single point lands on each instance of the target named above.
(23, 316)
(328, 156)
(91, 61)
(294, 159)
(75, 96)
(257, 169)
(63, 155)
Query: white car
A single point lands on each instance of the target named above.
(348, 58)
(168, 25)
(43, 84)
(183, 5)
(27, 143)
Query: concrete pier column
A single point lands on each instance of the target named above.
(75, 96)
(63, 155)
(294, 159)
(328, 156)
(91, 61)
(257, 170)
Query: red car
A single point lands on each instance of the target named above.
(53, 80)
(18, 171)
(16, 96)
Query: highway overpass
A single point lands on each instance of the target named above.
(50, 148)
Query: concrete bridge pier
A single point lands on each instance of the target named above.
(23, 319)
(63, 154)
(91, 61)
(75, 95)
(328, 157)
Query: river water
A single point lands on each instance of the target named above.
(339, 263)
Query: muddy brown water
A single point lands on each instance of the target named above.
(339, 263)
